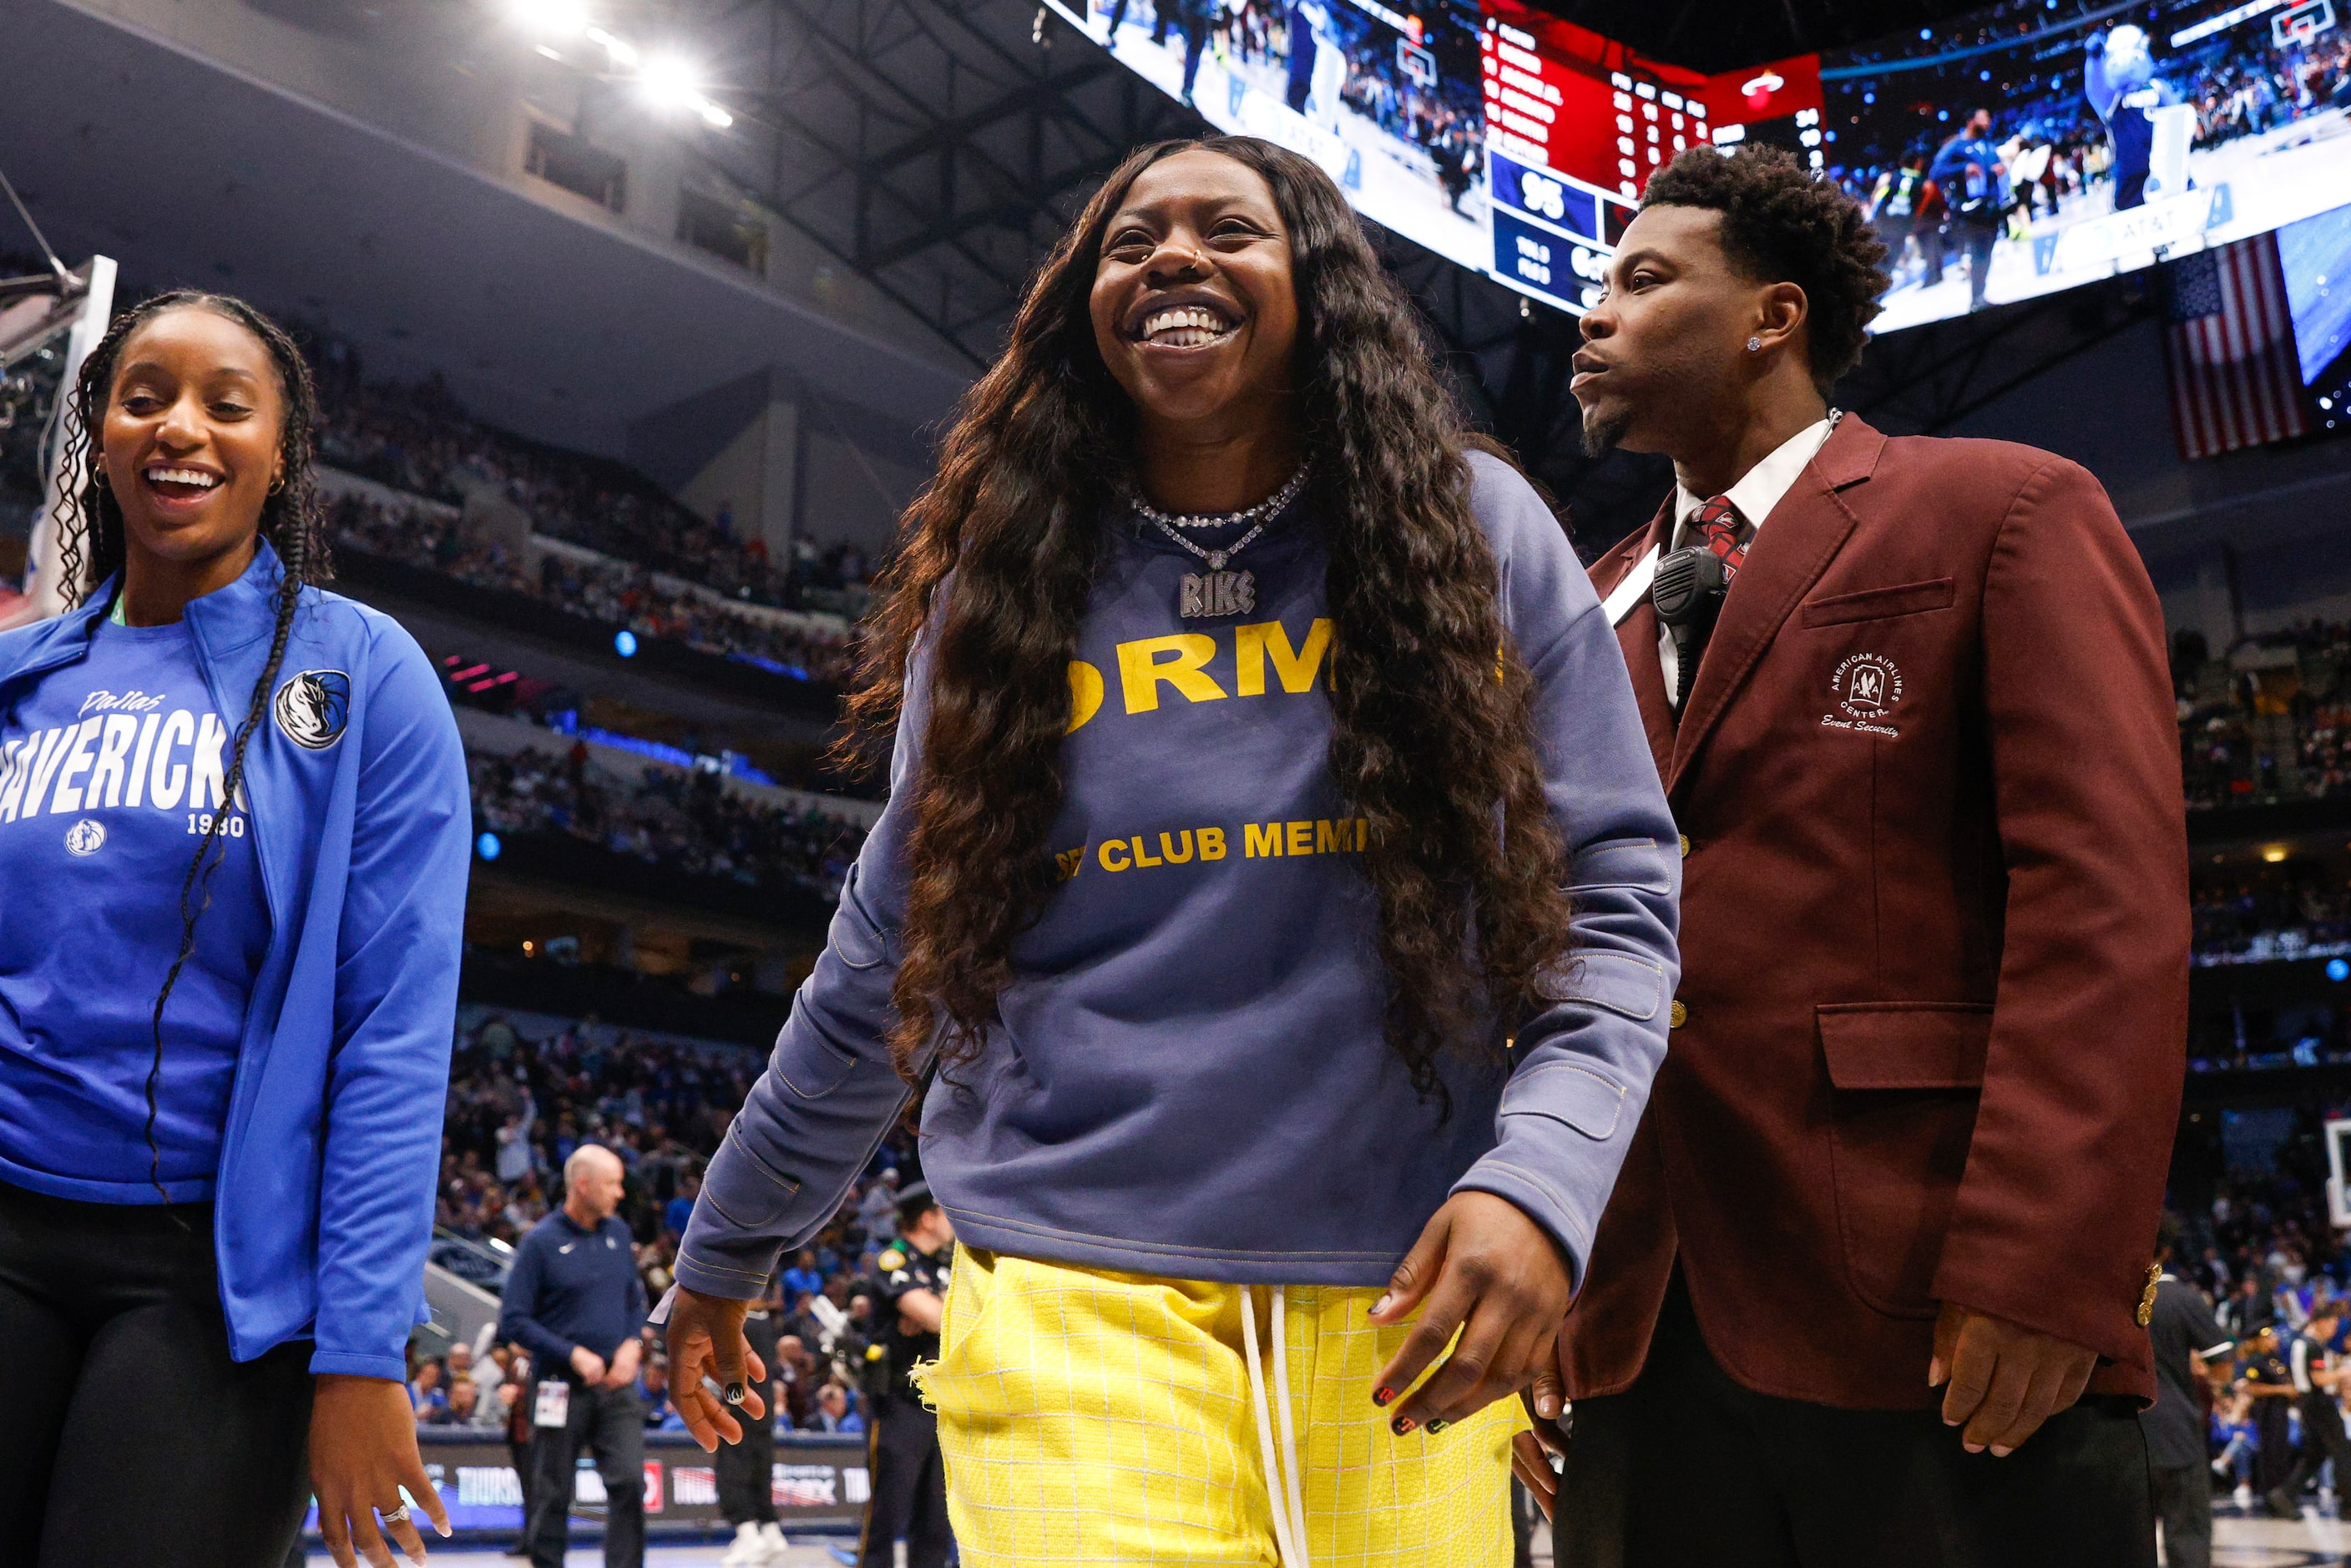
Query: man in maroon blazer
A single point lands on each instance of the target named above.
(1872, 1287)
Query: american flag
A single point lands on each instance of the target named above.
(2235, 380)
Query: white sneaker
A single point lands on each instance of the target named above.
(2244, 1496)
(748, 1551)
(771, 1537)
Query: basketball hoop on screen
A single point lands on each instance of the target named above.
(2298, 24)
(48, 322)
(2338, 1138)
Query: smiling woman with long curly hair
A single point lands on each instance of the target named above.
(1276, 894)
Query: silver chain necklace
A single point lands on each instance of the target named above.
(1217, 592)
(1265, 509)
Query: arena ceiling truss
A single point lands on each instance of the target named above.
(939, 147)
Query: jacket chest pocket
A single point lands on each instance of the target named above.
(1905, 1079)
(1880, 603)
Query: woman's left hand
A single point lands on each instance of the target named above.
(362, 1452)
(1483, 1268)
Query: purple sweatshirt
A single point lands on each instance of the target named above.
(1190, 1078)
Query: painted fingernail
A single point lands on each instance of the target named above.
(1402, 1424)
(1381, 1305)
(1547, 1406)
(1381, 1396)
(1438, 1426)
(734, 1394)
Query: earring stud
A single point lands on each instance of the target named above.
(1753, 344)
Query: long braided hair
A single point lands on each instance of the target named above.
(1426, 743)
(92, 549)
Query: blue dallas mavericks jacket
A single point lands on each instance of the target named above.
(323, 1202)
(1191, 1078)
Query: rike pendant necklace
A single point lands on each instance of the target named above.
(1208, 595)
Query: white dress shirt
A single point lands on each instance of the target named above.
(1758, 491)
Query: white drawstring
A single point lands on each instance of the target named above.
(1288, 1443)
(1280, 1478)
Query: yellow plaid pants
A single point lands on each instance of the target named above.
(1097, 1417)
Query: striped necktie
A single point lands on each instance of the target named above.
(1719, 528)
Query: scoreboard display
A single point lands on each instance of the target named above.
(1496, 134)
(1575, 124)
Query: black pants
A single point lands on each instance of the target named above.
(132, 1437)
(2274, 1424)
(1687, 1467)
(610, 1422)
(2183, 1500)
(910, 1488)
(2323, 1439)
(1930, 254)
(747, 1493)
(1978, 240)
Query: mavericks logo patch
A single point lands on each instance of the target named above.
(313, 709)
(85, 837)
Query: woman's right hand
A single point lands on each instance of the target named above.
(707, 1344)
(362, 1456)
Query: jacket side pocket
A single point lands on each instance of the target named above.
(1905, 1080)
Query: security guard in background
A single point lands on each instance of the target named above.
(910, 1485)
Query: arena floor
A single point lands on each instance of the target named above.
(2311, 1541)
(807, 1551)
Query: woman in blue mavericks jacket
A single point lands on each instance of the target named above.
(234, 828)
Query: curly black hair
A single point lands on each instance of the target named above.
(1782, 224)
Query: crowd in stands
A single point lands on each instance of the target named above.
(2244, 91)
(518, 1107)
(682, 820)
(2270, 720)
(418, 439)
(2052, 145)
(610, 591)
(2282, 912)
(2258, 1241)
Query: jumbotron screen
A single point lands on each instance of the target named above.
(1509, 141)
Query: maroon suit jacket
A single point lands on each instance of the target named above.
(1931, 1029)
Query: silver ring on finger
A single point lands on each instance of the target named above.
(395, 1516)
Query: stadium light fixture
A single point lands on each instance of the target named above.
(668, 82)
(620, 51)
(562, 17)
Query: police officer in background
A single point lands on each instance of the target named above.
(910, 1487)
(747, 1469)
